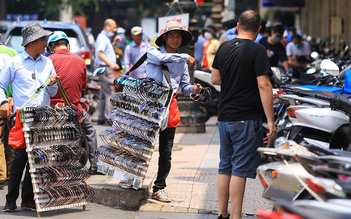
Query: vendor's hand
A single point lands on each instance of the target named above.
(5, 110)
(197, 88)
(10, 99)
(115, 66)
(54, 79)
(191, 61)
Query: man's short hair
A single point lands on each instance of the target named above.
(61, 42)
(263, 26)
(278, 29)
(250, 21)
(298, 37)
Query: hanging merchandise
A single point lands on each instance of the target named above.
(53, 139)
(141, 109)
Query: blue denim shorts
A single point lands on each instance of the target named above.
(239, 141)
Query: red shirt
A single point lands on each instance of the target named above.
(73, 72)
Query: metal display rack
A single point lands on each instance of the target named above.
(140, 107)
(52, 137)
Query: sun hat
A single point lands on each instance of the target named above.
(174, 25)
(32, 32)
(136, 30)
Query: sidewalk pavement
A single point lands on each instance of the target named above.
(191, 183)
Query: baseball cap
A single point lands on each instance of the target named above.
(136, 30)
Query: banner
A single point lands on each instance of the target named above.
(183, 19)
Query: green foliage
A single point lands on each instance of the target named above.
(52, 8)
(147, 8)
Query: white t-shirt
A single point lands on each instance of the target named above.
(304, 49)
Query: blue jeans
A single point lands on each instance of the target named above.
(239, 141)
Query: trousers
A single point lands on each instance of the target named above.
(107, 90)
(90, 133)
(6, 150)
(19, 163)
(166, 139)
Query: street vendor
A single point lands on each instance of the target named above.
(26, 72)
(169, 41)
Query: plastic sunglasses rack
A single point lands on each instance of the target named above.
(140, 107)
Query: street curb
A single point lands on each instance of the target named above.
(108, 193)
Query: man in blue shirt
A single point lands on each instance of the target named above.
(134, 52)
(106, 57)
(26, 72)
(6, 151)
(169, 41)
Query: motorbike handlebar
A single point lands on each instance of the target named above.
(324, 97)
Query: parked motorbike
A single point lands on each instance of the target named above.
(203, 77)
(90, 96)
(210, 108)
(305, 172)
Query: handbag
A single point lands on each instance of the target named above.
(16, 135)
(173, 117)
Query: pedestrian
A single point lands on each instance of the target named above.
(242, 69)
(169, 41)
(262, 31)
(134, 51)
(26, 72)
(298, 52)
(211, 45)
(106, 57)
(275, 50)
(74, 81)
(6, 151)
(199, 48)
(228, 25)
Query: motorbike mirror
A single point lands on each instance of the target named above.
(311, 71)
(99, 71)
(314, 55)
(329, 67)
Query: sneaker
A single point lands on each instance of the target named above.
(124, 185)
(221, 217)
(30, 206)
(94, 172)
(9, 206)
(161, 196)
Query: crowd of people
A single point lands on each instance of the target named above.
(239, 57)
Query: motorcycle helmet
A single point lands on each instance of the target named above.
(56, 36)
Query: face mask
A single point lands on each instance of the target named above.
(208, 35)
(297, 46)
(276, 39)
(109, 32)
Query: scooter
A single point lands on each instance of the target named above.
(90, 96)
(210, 108)
(304, 172)
(203, 76)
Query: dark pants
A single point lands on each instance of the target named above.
(164, 161)
(19, 162)
(6, 150)
(90, 133)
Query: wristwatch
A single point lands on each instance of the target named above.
(3, 102)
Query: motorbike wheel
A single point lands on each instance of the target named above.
(207, 114)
